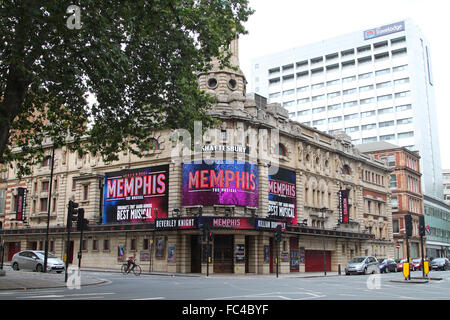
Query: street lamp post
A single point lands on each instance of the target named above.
(49, 203)
(323, 210)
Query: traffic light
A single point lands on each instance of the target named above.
(72, 213)
(210, 235)
(277, 235)
(408, 225)
(82, 223)
(421, 226)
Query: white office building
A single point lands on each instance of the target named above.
(375, 84)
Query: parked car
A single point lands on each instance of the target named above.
(400, 262)
(417, 263)
(440, 264)
(387, 265)
(362, 265)
(34, 260)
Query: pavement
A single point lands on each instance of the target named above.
(24, 280)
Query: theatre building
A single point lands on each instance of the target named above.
(213, 209)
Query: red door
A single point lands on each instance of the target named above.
(13, 248)
(314, 260)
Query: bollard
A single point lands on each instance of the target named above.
(339, 269)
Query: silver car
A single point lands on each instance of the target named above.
(34, 260)
(363, 265)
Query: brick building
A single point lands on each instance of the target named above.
(407, 197)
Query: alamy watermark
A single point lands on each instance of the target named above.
(74, 278)
(74, 20)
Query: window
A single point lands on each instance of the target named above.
(303, 112)
(349, 91)
(317, 85)
(402, 94)
(382, 71)
(288, 78)
(47, 161)
(289, 103)
(393, 182)
(351, 129)
(386, 124)
(364, 60)
(398, 40)
(387, 137)
(288, 67)
(333, 67)
(400, 81)
(334, 107)
(347, 52)
(346, 169)
(368, 113)
(282, 150)
(371, 139)
(363, 49)
(316, 60)
(318, 122)
(44, 203)
(351, 116)
(369, 126)
(333, 82)
(398, 52)
(366, 101)
(391, 160)
(95, 244)
(316, 71)
(319, 97)
(348, 79)
(366, 88)
(44, 186)
(350, 104)
(274, 95)
(145, 244)
(274, 80)
(380, 44)
(223, 134)
(384, 84)
(365, 75)
(302, 74)
(106, 244)
(334, 119)
(84, 245)
(385, 110)
(381, 56)
(274, 70)
(384, 97)
(404, 121)
(302, 63)
(406, 135)
(133, 244)
(331, 56)
(403, 107)
(301, 101)
(400, 68)
(348, 64)
(302, 89)
(333, 94)
(85, 192)
(394, 202)
(318, 110)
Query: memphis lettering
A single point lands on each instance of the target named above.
(134, 186)
(207, 179)
(281, 188)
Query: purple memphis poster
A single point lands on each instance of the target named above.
(228, 183)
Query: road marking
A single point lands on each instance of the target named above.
(66, 295)
(153, 298)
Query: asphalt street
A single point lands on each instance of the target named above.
(228, 287)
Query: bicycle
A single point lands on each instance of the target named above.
(135, 268)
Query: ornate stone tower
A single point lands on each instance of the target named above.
(226, 84)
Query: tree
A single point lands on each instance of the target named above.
(139, 59)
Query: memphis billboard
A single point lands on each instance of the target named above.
(223, 183)
(283, 196)
(137, 195)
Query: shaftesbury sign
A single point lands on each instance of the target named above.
(343, 206)
(384, 30)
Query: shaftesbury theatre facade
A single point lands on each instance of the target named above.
(326, 195)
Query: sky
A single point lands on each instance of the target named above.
(278, 25)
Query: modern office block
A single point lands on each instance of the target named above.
(374, 84)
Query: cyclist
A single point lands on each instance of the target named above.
(131, 261)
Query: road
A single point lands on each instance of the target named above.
(153, 287)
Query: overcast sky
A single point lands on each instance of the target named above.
(277, 25)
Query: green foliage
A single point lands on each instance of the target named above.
(139, 59)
